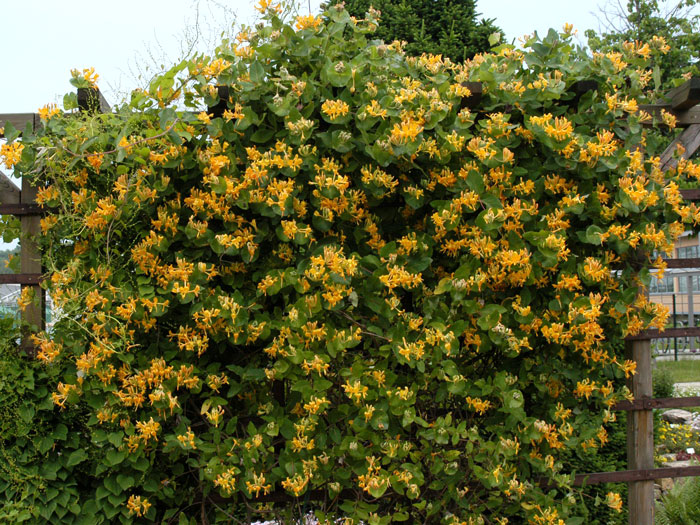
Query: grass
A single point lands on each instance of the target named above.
(685, 371)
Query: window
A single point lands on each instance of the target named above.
(683, 284)
(688, 252)
(664, 285)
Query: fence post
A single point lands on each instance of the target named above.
(640, 435)
(30, 262)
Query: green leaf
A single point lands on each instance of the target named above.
(257, 72)
(77, 456)
(125, 482)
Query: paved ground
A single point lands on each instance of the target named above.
(688, 387)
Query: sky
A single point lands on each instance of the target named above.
(127, 41)
(49, 38)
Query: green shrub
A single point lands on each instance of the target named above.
(611, 457)
(341, 288)
(662, 379)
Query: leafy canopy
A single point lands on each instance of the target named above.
(678, 22)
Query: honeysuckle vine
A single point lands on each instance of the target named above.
(348, 289)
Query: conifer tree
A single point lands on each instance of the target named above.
(450, 28)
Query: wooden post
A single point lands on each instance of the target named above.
(640, 436)
(30, 262)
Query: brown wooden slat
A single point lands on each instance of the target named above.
(636, 475)
(690, 262)
(661, 402)
(669, 332)
(18, 120)
(689, 139)
(21, 209)
(30, 263)
(691, 195)
(684, 118)
(20, 278)
(640, 435)
(9, 192)
(686, 95)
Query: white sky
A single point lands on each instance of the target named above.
(45, 39)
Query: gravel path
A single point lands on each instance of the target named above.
(688, 387)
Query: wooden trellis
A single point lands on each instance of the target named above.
(681, 102)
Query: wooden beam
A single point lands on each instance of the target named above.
(646, 335)
(9, 192)
(18, 120)
(640, 436)
(638, 475)
(686, 95)
(661, 402)
(30, 263)
(20, 209)
(691, 195)
(20, 278)
(683, 118)
(91, 99)
(683, 263)
(689, 139)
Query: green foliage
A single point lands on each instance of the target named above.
(9, 261)
(663, 383)
(643, 20)
(343, 290)
(40, 479)
(429, 26)
(609, 458)
(681, 505)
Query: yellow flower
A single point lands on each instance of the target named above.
(11, 153)
(48, 111)
(137, 505)
(614, 501)
(308, 22)
(86, 74)
(335, 108)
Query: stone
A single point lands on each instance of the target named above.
(666, 484)
(676, 415)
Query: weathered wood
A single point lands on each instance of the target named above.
(18, 120)
(661, 402)
(30, 263)
(9, 193)
(20, 278)
(686, 95)
(20, 209)
(683, 118)
(91, 99)
(691, 195)
(689, 139)
(637, 475)
(690, 262)
(646, 335)
(640, 436)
